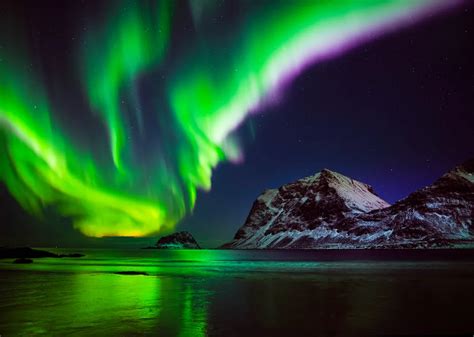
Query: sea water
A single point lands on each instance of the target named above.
(229, 293)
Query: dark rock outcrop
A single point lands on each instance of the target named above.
(329, 210)
(24, 252)
(178, 240)
(27, 252)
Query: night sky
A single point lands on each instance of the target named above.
(395, 112)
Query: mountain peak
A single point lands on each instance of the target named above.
(460, 177)
(329, 175)
(356, 195)
(323, 175)
(465, 170)
(468, 165)
(327, 172)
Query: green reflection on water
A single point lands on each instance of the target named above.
(194, 317)
(100, 304)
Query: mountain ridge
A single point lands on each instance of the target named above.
(330, 210)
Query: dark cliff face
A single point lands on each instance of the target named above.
(329, 210)
(179, 240)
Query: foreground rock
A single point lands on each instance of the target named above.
(178, 240)
(329, 210)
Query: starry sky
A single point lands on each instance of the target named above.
(394, 110)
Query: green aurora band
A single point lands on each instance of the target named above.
(139, 42)
(214, 85)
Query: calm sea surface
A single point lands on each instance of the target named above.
(237, 293)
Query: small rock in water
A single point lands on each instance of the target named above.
(72, 255)
(131, 273)
(23, 261)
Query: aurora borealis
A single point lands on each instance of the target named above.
(208, 87)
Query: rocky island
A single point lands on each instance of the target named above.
(178, 240)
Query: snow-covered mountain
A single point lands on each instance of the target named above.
(330, 210)
(441, 214)
(297, 214)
